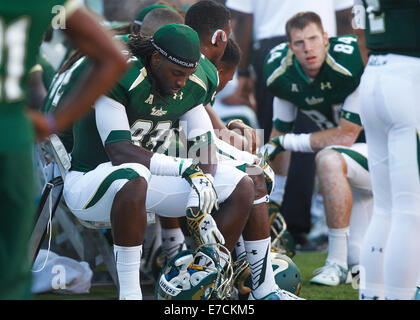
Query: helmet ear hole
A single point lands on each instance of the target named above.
(286, 273)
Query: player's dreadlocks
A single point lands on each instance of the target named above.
(141, 47)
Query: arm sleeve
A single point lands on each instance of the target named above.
(284, 115)
(228, 151)
(196, 122)
(111, 121)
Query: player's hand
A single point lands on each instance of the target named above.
(274, 147)
(39, 123)
(248, 132)
(203, 228)
(204, 196)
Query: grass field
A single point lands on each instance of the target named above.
(306, 261)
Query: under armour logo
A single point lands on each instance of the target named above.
(204, 227)
(326, 85)
(254, 252)
(178, 96)
(202, 181)
(373, 249)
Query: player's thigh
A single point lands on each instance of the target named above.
(90, 195)
(168, 196)
(398, 83)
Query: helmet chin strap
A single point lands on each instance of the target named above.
(216, 34)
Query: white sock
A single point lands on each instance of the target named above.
(240, 248)
(278, 192)
(172, 243)
(337, 246)
(259, 258)
(128, 270)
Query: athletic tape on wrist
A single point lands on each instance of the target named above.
(297, 142)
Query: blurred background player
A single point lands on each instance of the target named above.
(23, 24)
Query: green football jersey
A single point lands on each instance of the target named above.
(150, 117)
(22, 24)
(61, 85)
(393, 26)
(322, 98)
(212, 76)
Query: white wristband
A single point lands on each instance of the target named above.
(297, 142)
(162, 165)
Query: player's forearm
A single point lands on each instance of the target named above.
(208, 159)
(126, 152)
(158, 164)
(334, 136)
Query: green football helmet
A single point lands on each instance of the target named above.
(281, 239)
(286, 274)
(196, 275)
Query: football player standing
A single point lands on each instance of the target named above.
(390, 113)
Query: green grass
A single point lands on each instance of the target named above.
(307, 262)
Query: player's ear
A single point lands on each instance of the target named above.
(155, 59)
(325, 38)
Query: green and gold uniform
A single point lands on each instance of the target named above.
(322, 98)
(149, 115)
(22, 24)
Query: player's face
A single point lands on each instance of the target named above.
(171, 77)
(308, 45)
(226, 72)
